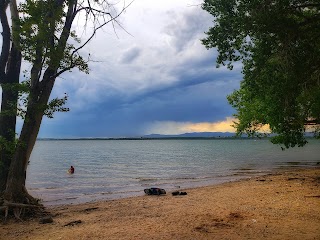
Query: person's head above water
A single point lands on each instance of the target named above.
(71, 170)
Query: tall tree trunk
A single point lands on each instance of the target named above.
(38, 98)
(7, 132)
(5, 49)
(8, 113)
(15, 188)
(10, 66)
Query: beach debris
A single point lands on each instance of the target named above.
(312, 196)
(202, 228)
(154, 191)
(295, 178)
(176, 193)
(73, 223)
(46, 219)
(235, 215)
(89, 209)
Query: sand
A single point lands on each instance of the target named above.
(284, 205)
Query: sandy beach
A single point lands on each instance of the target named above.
(282, 205)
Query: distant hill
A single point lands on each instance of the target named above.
(163, 136)
(194, 135)
(210, 135)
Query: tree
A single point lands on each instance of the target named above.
(10, 64)
(278, 43)
(42, 34)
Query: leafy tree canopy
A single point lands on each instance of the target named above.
(278, 43)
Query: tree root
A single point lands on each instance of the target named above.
(6, 210)
(20, 204)
(20, 209)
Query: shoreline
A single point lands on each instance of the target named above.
(137, 191)
(281, 205)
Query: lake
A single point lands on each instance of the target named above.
(112, 169)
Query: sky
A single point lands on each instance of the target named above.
(153, 78)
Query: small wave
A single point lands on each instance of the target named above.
(141, 179)
(245, 169)
(169, 179)
(53, 200)
(42, 188)
(186, 178)
(106, 193)
(128, 191)
(70, 198)
(88, 193)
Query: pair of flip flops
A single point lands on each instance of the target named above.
(176, 193)
(154, 191)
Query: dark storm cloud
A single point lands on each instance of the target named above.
(170, 77)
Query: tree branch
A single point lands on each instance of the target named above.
(51, 72)
(100, 26)
(92, 10)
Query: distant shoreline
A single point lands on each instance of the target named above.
(145, 138)
(161, 138)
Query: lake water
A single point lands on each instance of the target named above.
(111, 169)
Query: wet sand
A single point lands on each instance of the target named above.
(283, 205)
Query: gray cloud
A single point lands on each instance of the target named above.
(186, 29)
(130, 55)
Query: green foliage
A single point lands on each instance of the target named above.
(34, 32)
(41, 29)
(42, 25)
(7, 147)
(278, 43)
(56, 105)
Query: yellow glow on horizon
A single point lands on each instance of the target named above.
(169, 127)
(222, 126)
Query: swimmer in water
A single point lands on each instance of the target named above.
(71, 170)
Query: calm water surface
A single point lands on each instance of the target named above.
(110, 169)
